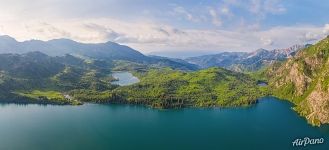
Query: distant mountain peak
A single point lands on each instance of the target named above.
(245, 61)
(108, 51)
(62, 40)
(110, 42)
(257, 52)
(261, 50)
(290, 49)
(60, 47)
(36, 53)
(7, 38)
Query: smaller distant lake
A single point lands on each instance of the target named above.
(261, 83)
(124, 78)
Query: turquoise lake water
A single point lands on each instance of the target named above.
(124, 78)
(270, 124)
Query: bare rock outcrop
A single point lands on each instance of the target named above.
(304, 80)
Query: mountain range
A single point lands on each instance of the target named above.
(108, 51)
(59, 47)
(113, 52)
(245, 61)
(44, 71)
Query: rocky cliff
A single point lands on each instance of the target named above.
(304, 80)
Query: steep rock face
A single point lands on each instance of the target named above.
(318, 99)
(304, 80)
(298, 78)
(318, 102)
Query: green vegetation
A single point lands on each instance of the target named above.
(167, 88)
(121, 65)
(318, 53)
(43, 79)
(304, 81)
(73, 80)
(95, 96)
(35, 77)
(48, 96)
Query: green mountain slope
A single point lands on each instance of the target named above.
(37, 78)
(168, 88)
(29, 65)
(37, 71)
(59, 47)
(108, 51)
(304, 80)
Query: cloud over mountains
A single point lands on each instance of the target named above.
(234, 25)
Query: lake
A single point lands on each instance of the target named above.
(270, 124)
(124, 78)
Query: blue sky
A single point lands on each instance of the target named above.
(206, 26)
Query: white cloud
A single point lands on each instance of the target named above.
(326, 29)
(274, 7)
(103, 31)
(215, 17)
(266, 41)
(225, 11)
(179, 10)
(50, 19)
(150, 36)
(255, 6)
(261, 8)
(228, 12)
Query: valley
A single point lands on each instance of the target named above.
(78, 77)
(164, 75)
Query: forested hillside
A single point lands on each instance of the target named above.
(167, 88)
(38, 78)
